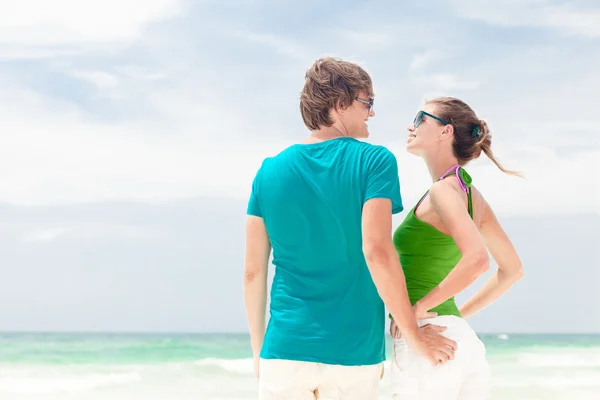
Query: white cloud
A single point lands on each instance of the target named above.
(564, 17)
(44, 235)
(18, 52)
(38, 25)
(280, 44)
(61, 157)
(436, 83)
(110, 163)
(78, 231)
(420, 61)
(366, 40)
(188, 137)
(552, 184)
(192, 147)
(100, 79)
(446, 82)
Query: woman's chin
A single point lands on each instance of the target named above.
(410, 148)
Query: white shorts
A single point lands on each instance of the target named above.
(467, 377)
(300, 380)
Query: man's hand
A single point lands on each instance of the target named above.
(394, 330)
(420, 313)
(430, 344)
(436, 348)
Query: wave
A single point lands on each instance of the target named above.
(243, 365)
(561, 359)
(69, 383)
(557, 383)
(569, 382)
(240, 365)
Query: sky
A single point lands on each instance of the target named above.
(131, 132)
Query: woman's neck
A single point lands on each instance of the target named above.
(438, 166)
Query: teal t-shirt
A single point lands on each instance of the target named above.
(324, 305)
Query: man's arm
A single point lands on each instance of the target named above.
(258, 250)
(384, 264)
(386, 272)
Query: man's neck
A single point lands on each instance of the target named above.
(327, 133)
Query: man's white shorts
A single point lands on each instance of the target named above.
(300, 380)
(467, 377)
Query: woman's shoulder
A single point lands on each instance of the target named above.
(445, 186)
(448, 188)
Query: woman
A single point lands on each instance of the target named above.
(442, 248)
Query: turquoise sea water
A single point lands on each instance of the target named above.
(219, 366)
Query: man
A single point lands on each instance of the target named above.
(324, 206)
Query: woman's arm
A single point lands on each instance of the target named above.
(447, 201)
(258, 250)
(509, 270)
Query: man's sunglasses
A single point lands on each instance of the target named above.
(421, 114)
(369, 102)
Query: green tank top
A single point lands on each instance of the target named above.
(428, 255)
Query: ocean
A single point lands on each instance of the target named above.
(69, 366)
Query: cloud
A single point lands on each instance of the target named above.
(281, 45)
(64, 157)
(189, 112)
(78, 231)
(446, 82)
(565, 18)
(37, 29)
(424, 71)
(552, 184)
(34, 22)
(367, 40)
(420, 61)
(99, 79)
(44, 235)
(12, 52)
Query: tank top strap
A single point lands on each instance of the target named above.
(421, 200)
(464, 179)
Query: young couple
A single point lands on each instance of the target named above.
(324, 207)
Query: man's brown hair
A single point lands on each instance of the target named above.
(331, 83)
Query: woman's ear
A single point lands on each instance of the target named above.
(447, 132)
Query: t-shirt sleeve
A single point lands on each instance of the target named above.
(382, 180)
(253, 203)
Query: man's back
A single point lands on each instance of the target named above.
(324, 305)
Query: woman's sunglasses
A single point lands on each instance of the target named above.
(421, 114)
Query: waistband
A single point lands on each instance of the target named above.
(456, 326)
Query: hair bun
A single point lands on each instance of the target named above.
(483, 131)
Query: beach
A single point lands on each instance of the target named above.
(219, 366)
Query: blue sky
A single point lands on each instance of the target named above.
(164, 102)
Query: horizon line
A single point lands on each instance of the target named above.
(150, 332)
